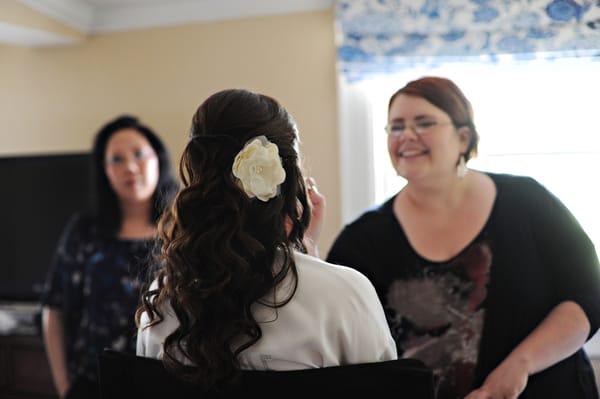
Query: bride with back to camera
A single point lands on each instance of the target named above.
(236, 288)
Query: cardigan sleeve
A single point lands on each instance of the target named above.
(567, 252)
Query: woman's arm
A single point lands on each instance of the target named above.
(558, 336)
(55, 348)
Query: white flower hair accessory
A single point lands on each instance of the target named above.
(258, 168)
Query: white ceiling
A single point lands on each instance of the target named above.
(92, 16)
(100, 3)
(97, 16)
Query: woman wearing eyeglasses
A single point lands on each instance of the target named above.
(94, 284)
(487, 278)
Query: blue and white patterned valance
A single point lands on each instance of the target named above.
(379, 36)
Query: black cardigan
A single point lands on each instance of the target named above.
(541, 257)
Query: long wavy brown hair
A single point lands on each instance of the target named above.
(218, 247)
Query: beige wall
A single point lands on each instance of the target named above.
(54, 99)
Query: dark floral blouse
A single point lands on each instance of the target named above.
(95, 281)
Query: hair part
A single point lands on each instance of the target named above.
(221, 251)
(106, 206)
(447, 96)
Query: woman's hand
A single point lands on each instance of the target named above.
(317, 204)
(562, 333)
(507, 381)
(52, 327)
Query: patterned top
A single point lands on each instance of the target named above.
(439, 313)
(95, 282)
(435, 310)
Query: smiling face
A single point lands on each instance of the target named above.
(435, 150)
(131, 165)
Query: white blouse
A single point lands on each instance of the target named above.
(334, 318)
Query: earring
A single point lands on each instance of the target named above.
(461, 168)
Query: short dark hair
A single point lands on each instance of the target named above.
(105, 204)
(447, 96)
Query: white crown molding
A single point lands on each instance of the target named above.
(89, 16)
(112, 17)
(28, 37)
(73, 13)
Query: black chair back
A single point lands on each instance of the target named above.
(127, 376)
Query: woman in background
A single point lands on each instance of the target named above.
(487, 278)
(236, 288)
(93, 287)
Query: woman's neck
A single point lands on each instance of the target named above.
(441, 195)
(135, 222)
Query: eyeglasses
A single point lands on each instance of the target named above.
(121, 159)
(419, 127)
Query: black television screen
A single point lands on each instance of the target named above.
(38, 196)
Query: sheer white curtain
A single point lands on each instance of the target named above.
(357, 163)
